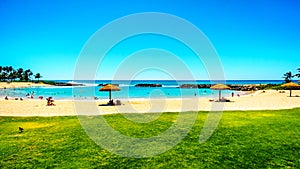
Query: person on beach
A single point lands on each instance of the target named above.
(232, 94)
(32, 95)
(50, 101)
(111, 102)
(6, 98)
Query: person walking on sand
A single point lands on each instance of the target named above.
(232, 94)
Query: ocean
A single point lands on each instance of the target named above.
(128, 90)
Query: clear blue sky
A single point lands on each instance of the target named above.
(255, 39)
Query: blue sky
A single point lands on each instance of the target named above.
(254, 39)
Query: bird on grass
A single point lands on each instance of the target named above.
(20, 129)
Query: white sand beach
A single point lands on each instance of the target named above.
(268, 100)
(7, 85)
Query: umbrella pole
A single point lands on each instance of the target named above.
(219, 95)
(110, 95)
(290, 92)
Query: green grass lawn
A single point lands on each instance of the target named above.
(243, 139)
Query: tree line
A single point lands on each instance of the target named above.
(288, 76)
(8, 73)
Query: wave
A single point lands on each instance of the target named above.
(126, 85)
(90, 84)
(170, 86)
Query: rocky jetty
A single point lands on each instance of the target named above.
(68, 84)
(232, 86)
(148, 85)
(243, 87)
(195, 86)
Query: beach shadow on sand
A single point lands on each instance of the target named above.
(105, 105)
(108, 105)
(221, 101)
(112, 103)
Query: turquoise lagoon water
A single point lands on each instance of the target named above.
(169, 89)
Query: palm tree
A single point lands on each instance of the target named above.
(298, 74)
(10, 72)
(20, 74)
(13, 75)
(26, 75)
(288, 77)
(3, 76)
(5, 69)
(10, 69)
(37, 76)
(5, 73)
(0, 73)
(29, 74)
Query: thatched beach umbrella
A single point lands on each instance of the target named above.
(109, 88)
(290, 86)
(220, 87)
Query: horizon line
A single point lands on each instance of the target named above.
(173, 79)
